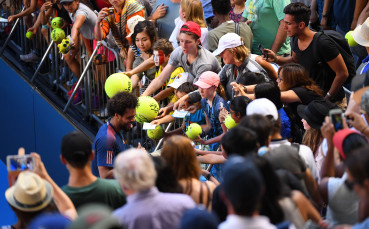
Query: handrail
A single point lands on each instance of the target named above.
(11, 33)
(82, 76)
(42, 61)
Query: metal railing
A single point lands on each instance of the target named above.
(88, 89)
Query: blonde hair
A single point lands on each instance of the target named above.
(134, 169)
(194, 12)
(240, 53)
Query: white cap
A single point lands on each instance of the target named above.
(361, 34)
(229, 40)
(132, 22)
(262, 106)
(180, 79)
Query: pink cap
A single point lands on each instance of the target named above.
(208, 79)
(339, 137)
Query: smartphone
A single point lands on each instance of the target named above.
(221, 106)
(336, 116)
(261, 49)
(20, 163)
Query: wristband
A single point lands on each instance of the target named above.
(324, 15)
(208, 176)
(45, 27)
(329, 94)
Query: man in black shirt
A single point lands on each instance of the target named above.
(318, 54)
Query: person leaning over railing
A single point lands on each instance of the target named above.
(115, 20)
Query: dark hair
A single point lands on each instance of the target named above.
(239, 104)
(271, 91)
(241, 141)
(149, 28)
(357, 163)
(194, 36)
(166, 180)
(186, 87)
(76, 149)
(299, 11)
(217, 204)
(352, 142)
(273, 192)
(163, 45)
(221, 7)
(120, 102)
(250, 78)
(260, 124)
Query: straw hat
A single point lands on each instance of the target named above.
(361, 34)
(29, 193)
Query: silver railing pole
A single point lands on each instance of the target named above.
(10, 34)
(161, 140)
(42, 60)
(82, 76)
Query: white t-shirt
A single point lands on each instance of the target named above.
(204, 37)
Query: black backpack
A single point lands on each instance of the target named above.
(343, 48)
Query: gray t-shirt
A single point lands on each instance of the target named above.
(87, 29)
(166, 24)
(205, 61)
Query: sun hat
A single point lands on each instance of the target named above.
(208, 79)
(180, 79)
(314, 113)
(262, 106)
(361, 34)
(132, 22)
(229, 40)
(29, 193)
(191, 27)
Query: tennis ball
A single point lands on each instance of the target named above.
(350, 39)
(57, 35)
(147, 109)
(57, 22)
(29, 35)
(156, 133)
(117, 82)
(193, 130)
(229, 122)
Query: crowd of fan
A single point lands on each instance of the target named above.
(286, 164)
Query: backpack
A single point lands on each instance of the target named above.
(343, 47)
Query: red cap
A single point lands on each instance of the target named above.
(339, 137)
(192, 27)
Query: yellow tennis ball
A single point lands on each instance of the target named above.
(229, 122)
(156, 133)
(117, 82)
(57, 35)
(57, 22)
(350, 39)
(193, 130)
(29, 35)
(147, 109)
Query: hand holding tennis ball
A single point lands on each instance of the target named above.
(156, 133)
(147, 109)
(29, 35)
(193, 130)
(117, 82)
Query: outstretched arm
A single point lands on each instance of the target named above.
(160, 80)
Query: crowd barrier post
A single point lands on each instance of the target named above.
(10, 34)
(42, 60)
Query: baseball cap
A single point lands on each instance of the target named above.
(191, 27)
(198, 218)
(95, 216)
(208, 79)
(229, 40)
(262, 106)
(180, 79)
(340, 137)
(132, 22)
(75, 143)
(50, 221)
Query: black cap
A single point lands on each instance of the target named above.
(76, 148)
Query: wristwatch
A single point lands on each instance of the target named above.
(208, 176)
(325, 15)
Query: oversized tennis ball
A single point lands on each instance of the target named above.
(29, 35)
(229, 122)
(117, 82)
(57, 22)
(57, 35)
(350, 39)
(147, 109)
(156, 133)
(193, 130)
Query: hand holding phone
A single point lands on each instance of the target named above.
(20, 162)
(336, 116)
(261, 49)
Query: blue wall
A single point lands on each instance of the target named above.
(28, 121)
